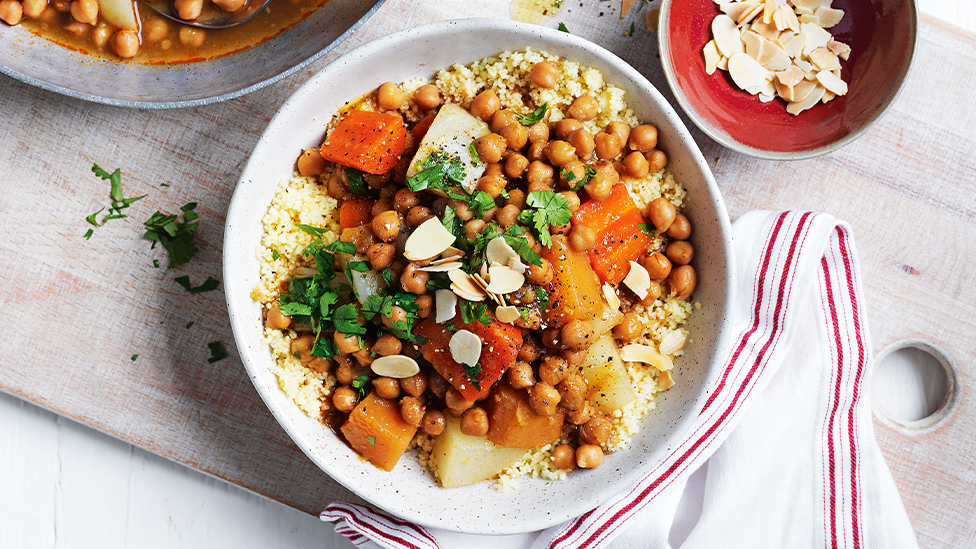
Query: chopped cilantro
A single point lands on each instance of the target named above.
(134, 357)
(356, 183)
(647, 228)
(210, 284)
(534, 117)
(175, 236)
(474, 312)
(544, 208)
(562, 27)
(217, 351)
(371, 441)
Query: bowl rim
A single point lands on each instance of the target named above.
(664, 47)
(237, 307)
(36, 82)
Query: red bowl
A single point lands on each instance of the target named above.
(881, 34)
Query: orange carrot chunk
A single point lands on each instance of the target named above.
(368, 141)
(619, 237)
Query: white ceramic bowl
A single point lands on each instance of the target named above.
(409, 491)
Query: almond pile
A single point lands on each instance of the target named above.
(779, 48)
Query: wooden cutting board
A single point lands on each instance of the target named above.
(77, 311)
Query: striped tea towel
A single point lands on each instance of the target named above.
(783, 453)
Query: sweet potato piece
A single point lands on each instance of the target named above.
(512, 423)
(574, 293)
(377, 432)
(368, 141)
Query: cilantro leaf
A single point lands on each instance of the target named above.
(356, 183)
(210, 284)
(175, 236)
(543, 209)
(217, 351)
(562, 27)
(534, 117)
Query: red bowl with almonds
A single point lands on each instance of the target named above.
(881, 35)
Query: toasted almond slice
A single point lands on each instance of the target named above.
(637, 278)
(672, 343)
(428, 240)
(395, 366)
(829, 16)
(840, 49)
(810, 100)
(726, 35)
(636, 352)
(790, 17)
(746, 72)
(824, 59)
(445, 304)
(664, 381)
(753, 43)
(735, 9)
(465, 347)
(750, 14)
(507, 314)
(712, 57)
(790, 77)
(443, 267)
(611, 295)
(832, 83)
(504, 280)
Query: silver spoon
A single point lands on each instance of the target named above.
(211, 17)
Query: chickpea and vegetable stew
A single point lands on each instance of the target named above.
(490, 268)
(124, 29)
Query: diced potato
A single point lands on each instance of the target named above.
(452, 131)
(376, 430)
(461, 459)
(513, 423)
(610, 384)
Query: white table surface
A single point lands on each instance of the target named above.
(65, 485)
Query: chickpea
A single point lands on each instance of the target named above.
(680, 228)
(683, 281)
(456, 401)
(417, 215)
(508, 216)
(387, 344)
(635, 165)
(596, 430)
(539, 275)
(310, 162)
(390, 97)
(425, 305)
(125, 43)
(404, 200)
(531, 350)
(347, 344)
(539, 173)
(193, 38)
(344, 399)
(414, 280)
(582, 238)
(581, 415)
(583, 142)
(386, 387)
(414, 385)
(474, 422)
(229, 5)
(473, 228)
(427, 97)
(653, 293)
(657, 264)
(565, 127)
(572, 391)
(543, 398)
(302, 347)
(589, 456)
(434, 422)
(438, 385)
(485, 105)
(643, 138)
(564, 457)
(630, 328)
(188, 10)
(492, 184)
(502, 118)
(320, 364)
(544, 74)
(515, 166)
(516, 136)
(578, 335)
(607, 145)
(584, 108)
(656, 160)
(276, 319)
(386, 226)
(560, 153)
(553, 369)
(85, 11)
(380, 255)
(680, 252)
(662, 213)
(34, 8)
(539, 133)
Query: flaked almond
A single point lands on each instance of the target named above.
(637, 352)
(672, 343)
(712, 57)
(395, 366)
(828, 16)
(664, 381)
(746, 72)
(443, 267)
(810, 100)
(507, 314)
(637, 279)
(726, 36)
(428, 240)
(611, 295)
(503, 280)
(465, 347)
(445, 303)
(832, 83)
